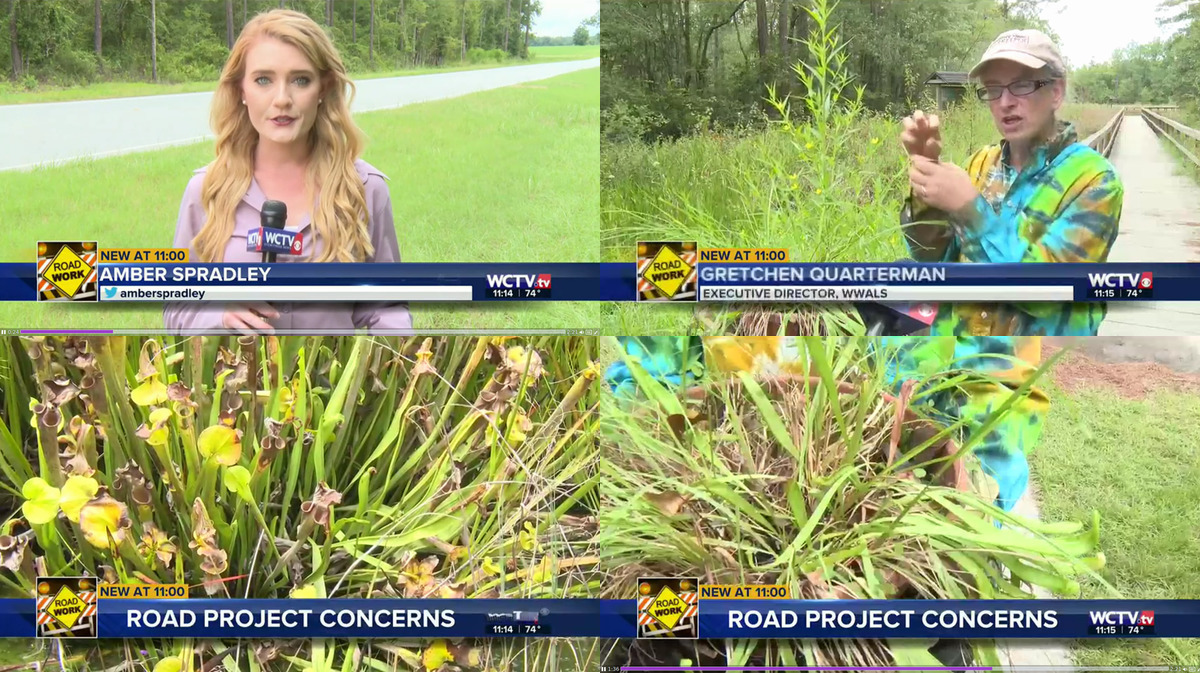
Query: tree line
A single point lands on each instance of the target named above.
(1163, 71)
(68, 42)
(671, 66)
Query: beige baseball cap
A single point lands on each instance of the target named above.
(1032, 48)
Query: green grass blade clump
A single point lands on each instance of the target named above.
(791, 484)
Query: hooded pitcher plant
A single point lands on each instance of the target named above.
(453, 467)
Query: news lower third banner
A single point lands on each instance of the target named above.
(595, 618)
(680, 279)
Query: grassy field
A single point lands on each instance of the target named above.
(571, 53)
(828, 194)
(51, 94)
(504, 175)
(1136, 461)
(1189, 116)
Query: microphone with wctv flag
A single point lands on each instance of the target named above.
(271, 238)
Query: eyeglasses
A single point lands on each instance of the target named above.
(1022, 87)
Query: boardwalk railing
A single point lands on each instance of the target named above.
(1102, 140)
(1173, 131)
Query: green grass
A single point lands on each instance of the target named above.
(16, 651)
(1189, 118)
(571, 53)
(52, 94)
(826, 194)
(99, 90)
(502, 176)
(1137, 462)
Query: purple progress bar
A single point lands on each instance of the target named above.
(67, 331)
(807, 668)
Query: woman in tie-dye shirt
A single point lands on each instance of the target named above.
(1040, 195)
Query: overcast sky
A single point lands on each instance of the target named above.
(1089, 30)
(562, 17)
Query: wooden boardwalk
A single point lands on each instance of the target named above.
(1160, 222)
(1016, 654)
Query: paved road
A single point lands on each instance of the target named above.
(56, 132)
(1160, 222)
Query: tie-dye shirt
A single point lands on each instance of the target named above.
(1064, 205)
(1000, 366)
(997, 367)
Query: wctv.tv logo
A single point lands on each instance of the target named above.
(1122, 618)
(519, 281)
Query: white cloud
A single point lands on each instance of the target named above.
(561, 17)
(1090, 30)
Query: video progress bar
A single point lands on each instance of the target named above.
(314, 332)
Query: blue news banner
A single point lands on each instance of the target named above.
(724, 282)
(596, 618)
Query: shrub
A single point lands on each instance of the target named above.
(476, 55)
(198, 62)
(624, 121)
(71, 67)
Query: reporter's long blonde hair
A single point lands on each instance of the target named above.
(340, 216)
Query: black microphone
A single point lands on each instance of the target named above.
(274, 216)
(883, 319)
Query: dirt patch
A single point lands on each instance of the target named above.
(1076, 372)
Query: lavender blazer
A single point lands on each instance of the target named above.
(292, 316)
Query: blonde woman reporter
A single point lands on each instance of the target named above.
(281, 115)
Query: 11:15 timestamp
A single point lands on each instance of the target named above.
(1120, 293)
(1122, 630)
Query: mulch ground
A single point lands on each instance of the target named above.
(1131, 380)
